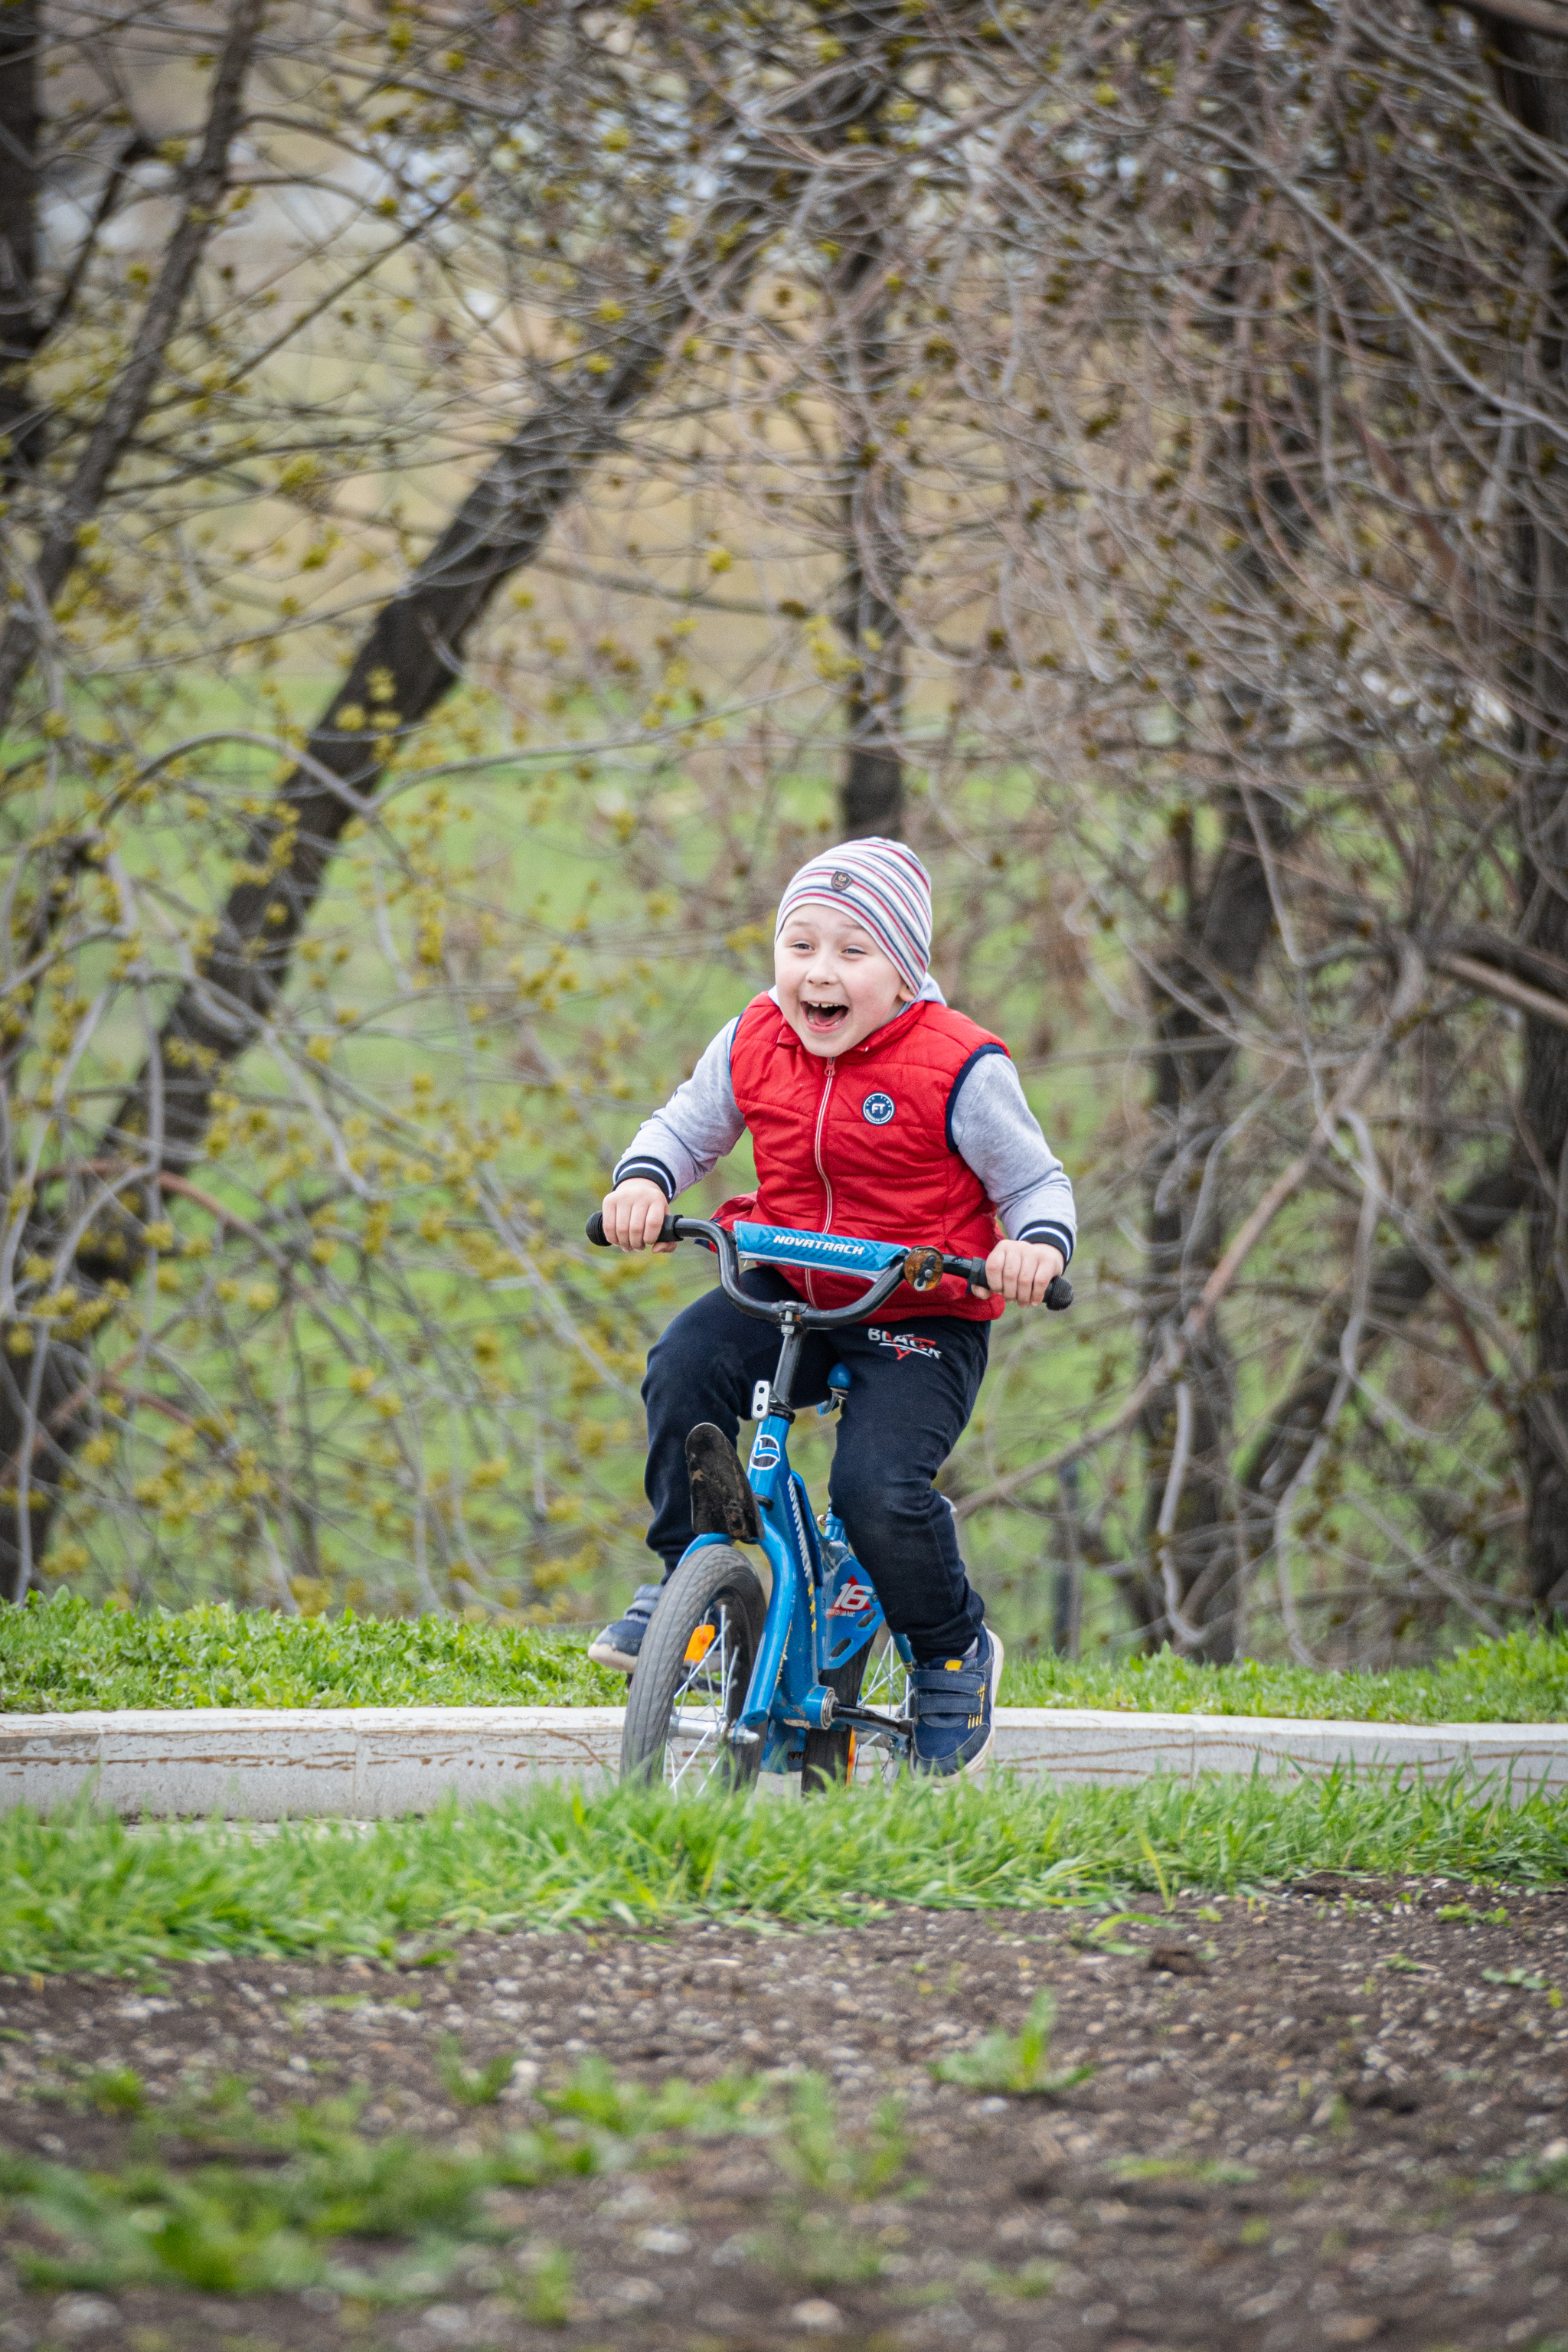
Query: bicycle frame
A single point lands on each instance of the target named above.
(820, 1613)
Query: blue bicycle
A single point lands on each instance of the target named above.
(729, 1682)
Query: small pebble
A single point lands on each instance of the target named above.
(818, 2319)
(447, 2320)
(83, 2314)
(664, 2241)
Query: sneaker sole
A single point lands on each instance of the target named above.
(618, 1661)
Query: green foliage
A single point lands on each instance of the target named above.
(236, 2228)
(1522, 1678)
(64, 1654)
(473, 2086)
(600, 2101)
(83, 1892)
(1532, 2174)
(818, 2248)
(251, 2224)
(816, 2153)
(1521, 1980)
(547, 2295)
(831, 2169)
(220, 2233)
(116, 2091)
(1027, 2283)
(1177, 2168)
(271, 2214)
(1013, 2062)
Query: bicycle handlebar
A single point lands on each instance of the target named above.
(970, 1270)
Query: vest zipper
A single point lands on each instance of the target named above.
(827, 1182)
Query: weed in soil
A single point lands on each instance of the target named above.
(474, 2086)
(248, 2228)
(1015, 2064)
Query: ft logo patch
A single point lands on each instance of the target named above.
(879, 1110)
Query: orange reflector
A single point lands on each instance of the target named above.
(702, 1642)
(849, 1768)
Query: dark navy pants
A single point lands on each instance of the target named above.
(913, 1382)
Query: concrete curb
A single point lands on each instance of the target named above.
(375, 1763)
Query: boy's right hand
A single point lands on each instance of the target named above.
(635, 1213)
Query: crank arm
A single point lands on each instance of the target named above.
(865, 1718)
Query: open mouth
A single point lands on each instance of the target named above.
(821, 1017)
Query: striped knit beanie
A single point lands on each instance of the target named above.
(884, 886)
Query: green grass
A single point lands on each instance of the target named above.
(1522, 1679)
(272, 2209)
(66, 1653)
(299, 2200)
(83, 1892)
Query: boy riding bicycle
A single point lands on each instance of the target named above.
(874, 1109)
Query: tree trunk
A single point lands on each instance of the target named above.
(1190, 1592)
(1532, 76)
(19, 119)
(872, 797)
(1190, 1520)
(872, 502)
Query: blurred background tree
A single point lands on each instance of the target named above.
(488, 488)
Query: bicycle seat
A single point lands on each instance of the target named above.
(838, 1388)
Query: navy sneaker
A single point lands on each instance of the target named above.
(618, 1644)
(952, 1703)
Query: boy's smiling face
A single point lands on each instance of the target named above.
(835, 984)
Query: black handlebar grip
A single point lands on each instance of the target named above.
(601, 1239)
(1059, 1298)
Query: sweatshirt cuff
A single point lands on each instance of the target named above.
(1058, 1236)
(653, 1170)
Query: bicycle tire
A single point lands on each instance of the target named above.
(828, 1754)
(716, 1581)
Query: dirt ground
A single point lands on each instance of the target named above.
(1323, 2130)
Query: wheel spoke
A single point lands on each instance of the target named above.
(699, 1712)
(886, 1687)
(886, 1682)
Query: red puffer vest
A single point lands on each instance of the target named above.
(862, 1143)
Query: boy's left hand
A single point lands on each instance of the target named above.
(1024, 1270)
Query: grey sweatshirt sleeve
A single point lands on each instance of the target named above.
(996, 1133)
(697, 1127)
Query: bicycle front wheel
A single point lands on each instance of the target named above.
(693, 1674)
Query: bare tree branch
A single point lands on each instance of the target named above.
(121, 417)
